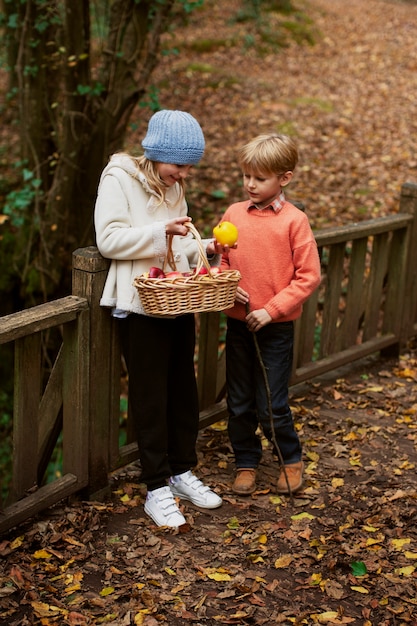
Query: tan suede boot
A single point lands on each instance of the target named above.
(295, 477)
(245, 481)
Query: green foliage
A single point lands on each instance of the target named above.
(153, 100)
(190, 5)
(123, 420)
(96, 89)
(209, 45)
(218, 193)
(6, 426)
(267, 30)
(19, 201)
(358, 568)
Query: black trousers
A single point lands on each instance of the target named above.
(163, 400)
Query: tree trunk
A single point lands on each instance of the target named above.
(74, 110)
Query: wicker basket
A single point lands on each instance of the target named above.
(188, 294)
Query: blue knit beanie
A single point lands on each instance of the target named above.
(174, 137)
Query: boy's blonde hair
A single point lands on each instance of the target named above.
(269, 154)
(150, 169)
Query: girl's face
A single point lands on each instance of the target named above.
(262, 189)
(171, 173)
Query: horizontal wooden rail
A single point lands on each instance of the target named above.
(41, 317)
(46, 496)
(359, 230)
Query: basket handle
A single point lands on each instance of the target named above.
(202, 257)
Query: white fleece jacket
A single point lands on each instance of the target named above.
(130, 230)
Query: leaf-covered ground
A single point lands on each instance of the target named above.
(343, 552)
(349, 100)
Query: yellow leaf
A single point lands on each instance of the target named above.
(315, 579)
(219, 577)
(106, 591)
(379, 538)
(313, 456)
(410, 555)
(360, 589)
(73, 541)
(170, 571)
(72, 588)
(407, 465)
(47, 610)
(405, 571)
(140, 617)
(407, 373)
(370, 529)
(125, 498)
(233, 523)
(399, 543)
(17, 543)
(350, 436)
(326, 617)
(262, 539)
(337, 482)
(303, 515)
(311, 467)
(376, 389)
(42, 554)
(283, 561)
(219, 426)
(254, 558)
(275, 499)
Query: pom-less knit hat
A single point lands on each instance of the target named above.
(174, 137)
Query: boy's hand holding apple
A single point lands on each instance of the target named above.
(226, 235)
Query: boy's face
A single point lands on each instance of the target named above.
(262, 189)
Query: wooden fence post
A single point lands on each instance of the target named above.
(408, 204)
(88, 278)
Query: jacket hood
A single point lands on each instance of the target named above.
(127, 164)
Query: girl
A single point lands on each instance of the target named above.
(140, 202)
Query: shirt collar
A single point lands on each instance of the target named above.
(276, 205)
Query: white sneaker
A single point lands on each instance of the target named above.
(162, 508)
(189, 487)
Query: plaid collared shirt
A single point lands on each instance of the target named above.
(275, 206)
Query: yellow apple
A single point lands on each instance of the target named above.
(225, 233)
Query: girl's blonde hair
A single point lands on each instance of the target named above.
(269, 154)
(155, 182)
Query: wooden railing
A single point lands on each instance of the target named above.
(367, 303)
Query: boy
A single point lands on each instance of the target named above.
(278, 259)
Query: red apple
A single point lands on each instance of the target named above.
(203, 270)
(173, 275)
(156, 272)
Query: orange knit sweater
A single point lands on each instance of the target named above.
(277, 257)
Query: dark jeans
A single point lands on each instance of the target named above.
(247, 398)
(163, 401)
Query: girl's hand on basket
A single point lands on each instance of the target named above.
(177, 226)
